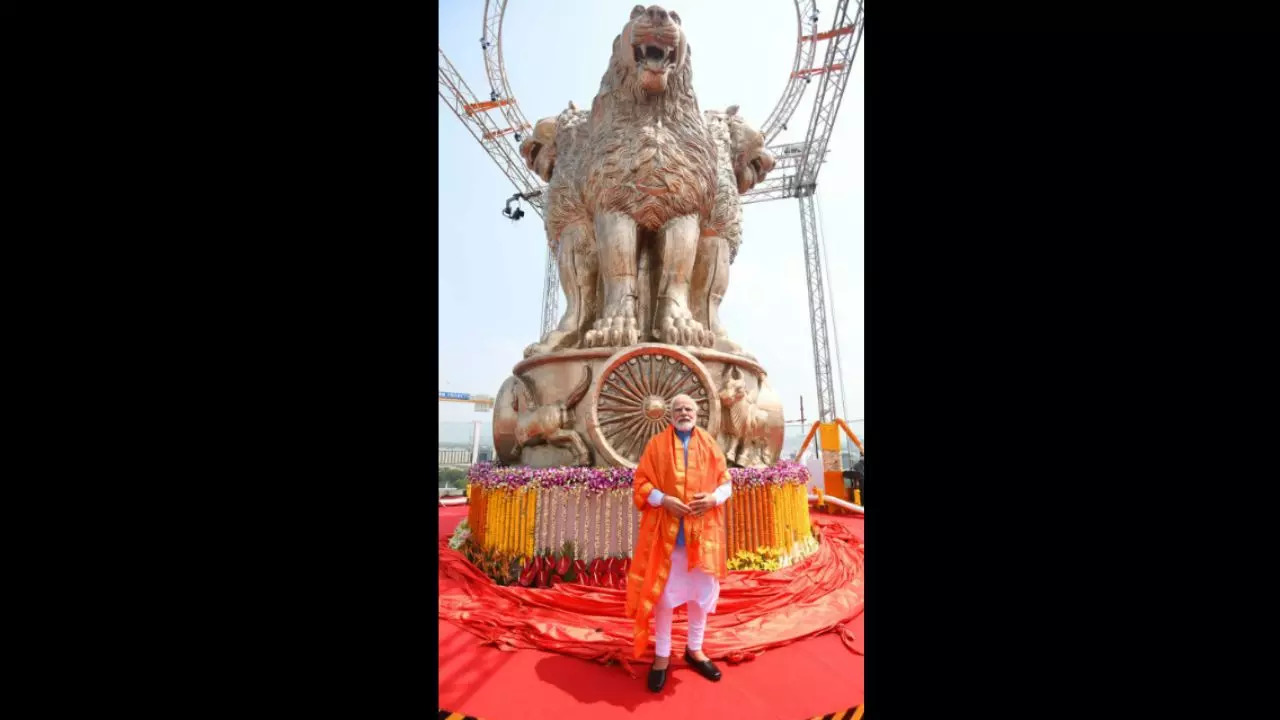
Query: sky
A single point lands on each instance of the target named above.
(491, 269)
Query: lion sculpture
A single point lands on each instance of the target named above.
(741, 162)
(642, 197)
(555, 151)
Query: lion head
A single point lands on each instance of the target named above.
(650, 52)
(751, 162)
(553, 139)
(539, 149)
(741, 162)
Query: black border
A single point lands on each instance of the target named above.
(303, 297)
(1059, 306)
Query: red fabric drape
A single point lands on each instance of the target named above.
(756, 610)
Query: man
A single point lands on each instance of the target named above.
(680, 552)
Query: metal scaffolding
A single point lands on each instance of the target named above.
(475, 117)
(806, 47)
(845, 35)
(817, 310)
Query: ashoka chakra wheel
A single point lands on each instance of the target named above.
(631, 400)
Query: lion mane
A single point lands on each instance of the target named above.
(649, 157)
(741, 162)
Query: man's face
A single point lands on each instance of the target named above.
(684, 412)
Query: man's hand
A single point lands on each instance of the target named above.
(701, 503)
(674, 506)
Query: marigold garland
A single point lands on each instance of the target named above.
(515, 520)
(621, 508)
(740, 519)
(507, 518)
(509, 521)
(501, 524)
(775, 500)
(488, 509)
(500, 508)
(766, 518)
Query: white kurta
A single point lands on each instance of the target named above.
(683, 584)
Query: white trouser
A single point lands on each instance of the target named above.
(694, 588)
(662, 620)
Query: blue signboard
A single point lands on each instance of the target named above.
(455, 396)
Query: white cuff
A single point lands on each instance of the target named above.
(655, 497)
(723, 492)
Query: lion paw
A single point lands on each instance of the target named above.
(677, 327)
(615, 328)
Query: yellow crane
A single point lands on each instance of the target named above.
(483, 403)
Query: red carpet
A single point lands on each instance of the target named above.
(807, 677)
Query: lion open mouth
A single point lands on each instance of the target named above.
(654, 54)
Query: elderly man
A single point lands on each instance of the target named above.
(680, 552)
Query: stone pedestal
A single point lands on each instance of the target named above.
(600, 406)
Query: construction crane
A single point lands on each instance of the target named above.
(483, 403)
(795, 173)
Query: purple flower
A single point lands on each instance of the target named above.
(600, 480)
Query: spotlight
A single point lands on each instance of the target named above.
(517, 137)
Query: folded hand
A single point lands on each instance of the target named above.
(701, 503)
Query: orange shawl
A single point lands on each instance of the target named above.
(662, 467)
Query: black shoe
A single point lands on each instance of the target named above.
(658, 678)
(705, 668)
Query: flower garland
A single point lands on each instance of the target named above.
(577, 522)
(521, 512)
(608, 516)
(595, 481)
(599, 501)
(564, 518)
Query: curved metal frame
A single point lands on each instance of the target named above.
(796, 84)
(491, 43)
